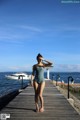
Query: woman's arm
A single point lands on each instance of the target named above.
(47, 63)
(32, 76)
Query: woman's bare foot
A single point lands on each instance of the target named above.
(37, 108)
(41, 109)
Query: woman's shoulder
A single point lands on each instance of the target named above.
(35, 65)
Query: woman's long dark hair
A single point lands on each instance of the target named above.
(39, 55)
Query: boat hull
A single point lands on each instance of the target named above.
(18, 77)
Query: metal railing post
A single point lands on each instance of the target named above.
(70, 77)
(21, 77)
(56, 81)
(57, 78)
(22, 82)
(68, 87)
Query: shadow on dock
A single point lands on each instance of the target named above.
(7, 98)
(4, 100)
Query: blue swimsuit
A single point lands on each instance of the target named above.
(39, 74)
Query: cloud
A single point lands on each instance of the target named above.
(61, 28)
(65, 58)
(20, 68)
(32, 28)
(67, 68)
(16, 33)
(56, 68)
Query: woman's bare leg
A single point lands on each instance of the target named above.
(36, 89)
(41, 88)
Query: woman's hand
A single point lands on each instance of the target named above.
(41, 58)
(47, 63)
(31, 83)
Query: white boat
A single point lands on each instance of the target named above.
(19, 76)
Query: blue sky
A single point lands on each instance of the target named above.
(49, 27)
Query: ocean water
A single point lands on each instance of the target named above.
(6, 86)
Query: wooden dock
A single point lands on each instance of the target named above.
(22, 107)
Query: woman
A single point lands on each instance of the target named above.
(37, 80)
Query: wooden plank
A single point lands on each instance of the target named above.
(56, 106)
